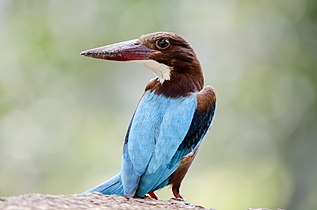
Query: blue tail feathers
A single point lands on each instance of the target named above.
(111, 187)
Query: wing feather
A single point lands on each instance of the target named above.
(163, 131)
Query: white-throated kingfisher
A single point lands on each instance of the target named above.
(171, 119)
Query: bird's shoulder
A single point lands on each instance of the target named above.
(206, 98)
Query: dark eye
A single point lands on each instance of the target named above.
(162, 43)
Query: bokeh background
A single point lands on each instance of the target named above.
(63, 117)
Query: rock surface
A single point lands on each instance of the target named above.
(90, 201)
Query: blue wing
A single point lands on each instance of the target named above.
(157, 129)
(201, 122)
(162, 131)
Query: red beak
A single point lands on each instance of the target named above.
(122, 51)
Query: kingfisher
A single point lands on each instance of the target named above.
(171, 118)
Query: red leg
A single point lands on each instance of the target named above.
(177, 194)
(153, 195)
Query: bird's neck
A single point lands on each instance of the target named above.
(183, 81)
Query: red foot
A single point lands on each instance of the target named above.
(177, 195)
(153, 195)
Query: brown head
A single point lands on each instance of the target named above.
(167, 54)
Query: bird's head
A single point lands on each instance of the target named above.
(165, 53)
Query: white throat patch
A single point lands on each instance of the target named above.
(162, 71)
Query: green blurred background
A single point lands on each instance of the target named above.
(63, 117)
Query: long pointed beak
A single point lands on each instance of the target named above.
(122, 51)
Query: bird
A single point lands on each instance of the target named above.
(170, 121)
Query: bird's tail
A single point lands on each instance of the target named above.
(111, 187)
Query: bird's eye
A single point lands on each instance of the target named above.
(162, 43)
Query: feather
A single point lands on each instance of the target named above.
(157, 129)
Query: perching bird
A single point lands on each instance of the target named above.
(170, 121)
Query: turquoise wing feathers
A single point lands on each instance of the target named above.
(157, 129)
